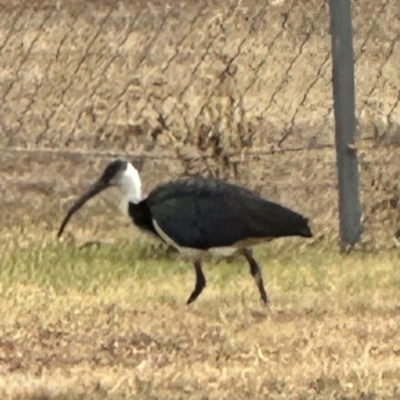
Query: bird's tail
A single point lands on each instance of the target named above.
(306, 230)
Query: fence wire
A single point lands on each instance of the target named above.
(210, 79)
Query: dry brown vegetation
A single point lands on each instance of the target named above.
(221, 88)
(226, 88)
(109, 323)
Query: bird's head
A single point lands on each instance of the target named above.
(118, 173)
(124, 175)
(113, 172)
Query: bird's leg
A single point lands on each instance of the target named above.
(256, 274)
(200, 282)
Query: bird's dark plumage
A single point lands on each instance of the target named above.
(205, 213)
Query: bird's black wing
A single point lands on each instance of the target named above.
(203, 213)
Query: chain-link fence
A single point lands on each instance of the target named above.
(238, 89)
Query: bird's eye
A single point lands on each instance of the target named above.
(112, 170)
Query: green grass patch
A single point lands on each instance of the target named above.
(317, 269)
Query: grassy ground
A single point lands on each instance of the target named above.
(110, 322)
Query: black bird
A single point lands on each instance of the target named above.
(199, 215)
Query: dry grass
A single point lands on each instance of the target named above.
(99, 74)
(110, 323)
(250, 93)
(246, 87)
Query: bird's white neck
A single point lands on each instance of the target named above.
(131, 185)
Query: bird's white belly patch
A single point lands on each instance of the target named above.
(217, 252)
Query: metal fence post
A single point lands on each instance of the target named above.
(345, 121)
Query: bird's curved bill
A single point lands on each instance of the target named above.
(94, 189)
